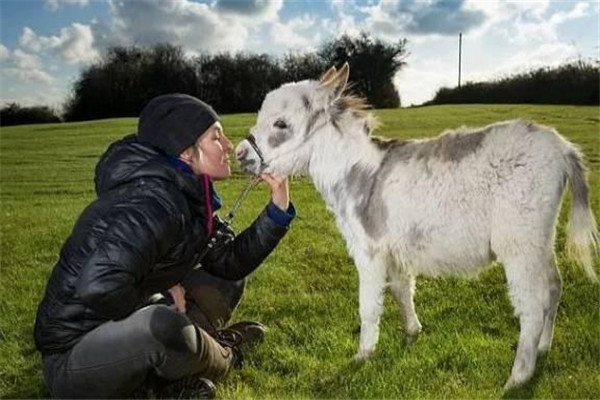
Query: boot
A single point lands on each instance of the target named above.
(189, 387)
(239, 337)
(252, 332)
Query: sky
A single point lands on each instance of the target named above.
(44, 44)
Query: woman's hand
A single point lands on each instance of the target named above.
(280, 191)
(178, 294)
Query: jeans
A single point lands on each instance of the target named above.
(117, 357)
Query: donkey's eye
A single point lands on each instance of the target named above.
(280, 124)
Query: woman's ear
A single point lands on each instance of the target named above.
(188, 154)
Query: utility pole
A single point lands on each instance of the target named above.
(459, 55)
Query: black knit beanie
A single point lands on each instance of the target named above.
(173, 122)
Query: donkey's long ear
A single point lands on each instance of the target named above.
(327, 75)
(337, 83)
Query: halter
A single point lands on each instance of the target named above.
(252, 140)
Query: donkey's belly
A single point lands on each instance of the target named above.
(449, 254)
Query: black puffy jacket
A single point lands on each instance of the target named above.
(140, 236)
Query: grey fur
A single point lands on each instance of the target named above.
(417, 238)
(306, 102)
(362, 185)
(579, 186)
(449, 147)
(280, 137)
(336, 126)
(314, 117)
(337, 110)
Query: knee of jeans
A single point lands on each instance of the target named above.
(174, 330)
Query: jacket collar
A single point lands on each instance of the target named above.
(215, 202)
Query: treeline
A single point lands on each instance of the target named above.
(126, 78)
(572, 83)
(14, 114)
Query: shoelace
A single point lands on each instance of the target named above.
(232, 339)
(229, 337)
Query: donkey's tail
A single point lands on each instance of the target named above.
(582, 231)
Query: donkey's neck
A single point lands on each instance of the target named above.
(342, 157)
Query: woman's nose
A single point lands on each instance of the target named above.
(226, 143)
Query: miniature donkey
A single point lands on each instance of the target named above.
(446, 205)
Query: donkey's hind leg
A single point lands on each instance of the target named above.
(555, 288)
(402, 285)
(528, 289)
(372, 271)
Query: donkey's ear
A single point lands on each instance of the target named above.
(327, 75)
(337, 83)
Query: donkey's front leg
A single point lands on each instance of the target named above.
(372, 278)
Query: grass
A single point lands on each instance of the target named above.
(306, 291)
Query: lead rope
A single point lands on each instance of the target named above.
(219, 233)
(238, 203)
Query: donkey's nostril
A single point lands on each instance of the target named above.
(241, 153)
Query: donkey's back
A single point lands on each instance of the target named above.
(467, 196)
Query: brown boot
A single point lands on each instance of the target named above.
(189, 387)
(239, 337)
(252, 332)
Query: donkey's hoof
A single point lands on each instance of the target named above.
(512, 384)
(362, 355)
(410, 339)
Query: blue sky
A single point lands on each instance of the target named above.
(45, 43)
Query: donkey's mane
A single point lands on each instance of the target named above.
(358, 107)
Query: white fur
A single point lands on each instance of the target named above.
(444, 217)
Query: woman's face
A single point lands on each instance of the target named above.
(210, 154)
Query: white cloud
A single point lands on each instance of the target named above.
(4, 52)
(524, 21)
(219, 26)
(29, 75)
(258, 10)
(75, 44)
(297, 33)
(52, 97)
(24, 67)
(580, 10)
(56, 4)
(392, 18)
(25, 60)
(418, 81)
(543, 29)
(497, 11)
(546, 55)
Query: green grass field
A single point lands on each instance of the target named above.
(306, 291)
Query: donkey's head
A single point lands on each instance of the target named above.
(281, 141)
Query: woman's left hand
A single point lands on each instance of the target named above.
(280, 191)
(178, 294)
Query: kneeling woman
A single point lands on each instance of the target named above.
(99, 328)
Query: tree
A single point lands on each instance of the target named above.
(126, 78)
(14, 114)
(373, 64)
(298, 67)
(236, 83)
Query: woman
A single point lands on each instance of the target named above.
(99, 327)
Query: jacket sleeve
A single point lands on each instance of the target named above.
(237, 258)
(136, 235)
